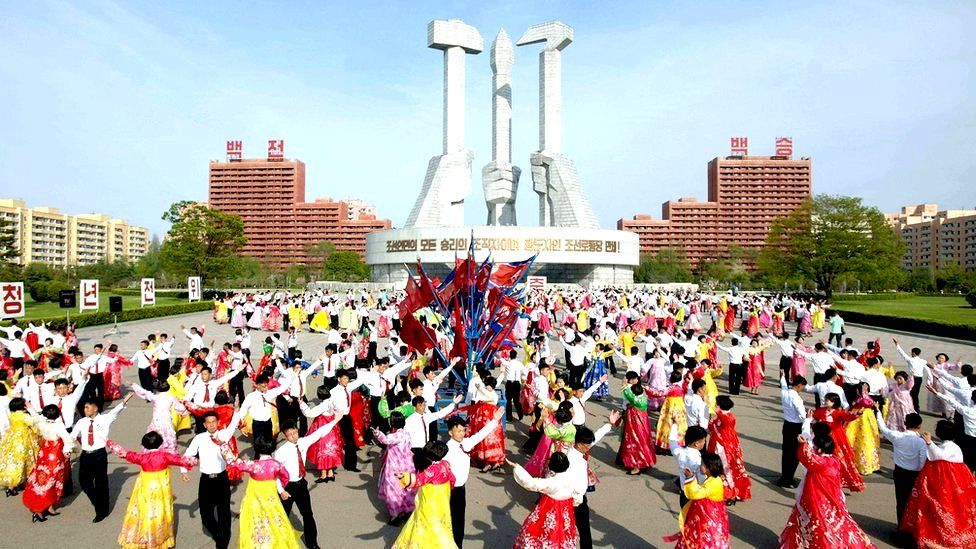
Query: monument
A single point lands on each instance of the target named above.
(569, 245)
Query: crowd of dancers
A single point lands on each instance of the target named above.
(303, 409)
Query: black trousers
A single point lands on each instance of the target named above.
(612, 366)
(914, 393)
(299, 496)
(736, 374)
(69, 485)
(682, 498)
(432, 426)
(146, 379)
(285, 321)
(349, 457)
(576, 373)
(838, 336)
(395, 325)
(261, 429)
(371, 352)
(162, 369)
(789, 460)
(968, 446)
(512, 401)
(94, 390)
(289, 410)
(214, 497)
(378, 421)
(235, 388)
(458, 501)
(582, 512)
(904, 482)
(93, 478)
(786, 365)
(850, 392)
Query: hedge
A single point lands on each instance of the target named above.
(889, 296)
(966, 332)
(99, 318)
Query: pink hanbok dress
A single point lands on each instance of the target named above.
(162, 418)
(397, 458)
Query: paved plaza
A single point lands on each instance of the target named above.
(626, 511)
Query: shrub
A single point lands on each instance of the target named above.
(971, 298)
(47, 290)
(99, 318)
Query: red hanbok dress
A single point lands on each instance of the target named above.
(723, 440)
(820, 519)
(838, 420)
(113, 376)
(636, 449)
(359, 414)
(704, 520)
(552, 523)
(45, 483)
(942, 510)
(491, 450)
(752, 327)
(730, 319)
(326, 452)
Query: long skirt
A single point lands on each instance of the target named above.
(18, 453)
(397, 458)
(673, 411)
(942, 509)
(237, 318)
(636, 451)
(45, 483)
(863, 434)
(148, 520)
(550, 525)
(430, 524)
(491, 450)
(704, 525)
(326, 452)
(755, 372)
(593, 375)
(264, 524)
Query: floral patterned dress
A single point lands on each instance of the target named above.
(45, 483)
(264, 524)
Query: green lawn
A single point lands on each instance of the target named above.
(129, 302)
(952, 310)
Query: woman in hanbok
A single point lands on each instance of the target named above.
(113, 374)
(862, 432)
(657, 379)
(321, 321)
(672, 411)
(765, 318)
(898, 400)
(596, 371)
(18, 447)
(837, 419)
(582, 320)
(257, 317)
(263, 522)
(779, 325)
(799, 361)
(941, 512)
(704, 521)
(819, 316)
(149, 517)
(47, 355)
(756, 369)
(636, 452)
(804, 323)
(164, 404)
(558, 434)
(430, 523)
(693, 322)
(272, 320)
(397, 459)
(383, 322)
(237, 317)
(45, 483)
(705, 370)
(177, 388)
(820, 519)
(545, 322)
(752, 326)
(552, 522)
(489, 454)
(943, 366)
(220, 311)
(527, 396)
(724, 441)
(348, 319)
(325, 454)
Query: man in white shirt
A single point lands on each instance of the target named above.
(829, 385)
(695, 406)
(143, 362)
(342, 400)
(418, 423)
(432, 381)
(193, 335)
(68, 400)
(917, 366)
(292, 454)
(458, 448)
(379, 380)
(329, 362)
(19, 351)
(578, 472)
(908, 448)
(687, 456)
(512, 373)
(203, 391)
(967, 439)
(214, 491)
(259, 403)
(96, 365)
(161, 353)
(737, 371)
(580, 397)
(794, 414)
(34, 389)
(92, 430)
(292, 341)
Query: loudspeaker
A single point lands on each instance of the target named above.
(115, 304)
(66, 298)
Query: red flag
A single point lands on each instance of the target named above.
(460, 347)
(507, 274)
(484, 274)
(414, 334)
(418, 296)
(458, 282)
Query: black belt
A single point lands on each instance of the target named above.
(100, 450)
(214, 475)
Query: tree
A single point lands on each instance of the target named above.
(829, 238)
(667, 265)
(345, 266)
(9, 251)
(202, 241)
(919, 279)
(318, 254)
(151, 264)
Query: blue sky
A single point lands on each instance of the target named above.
(118, 107)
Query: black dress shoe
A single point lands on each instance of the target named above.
(354, 470)
(37, 518)
(321, 480)
(99, 518)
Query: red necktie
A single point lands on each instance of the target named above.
(426, 430)
(206, 393)
(301, 388)
(40, 396)
(301, 462)
(348, 398)
(91, 432)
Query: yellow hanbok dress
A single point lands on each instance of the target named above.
(296, 317)
(220, 313)
(320, 322)
(347, 319)
(711, 388)
(178, 390)
(18, 450)
(429, 526)
(583, 321)
(263, 522)
(863, 435)
(626, 340)
(672, 411)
